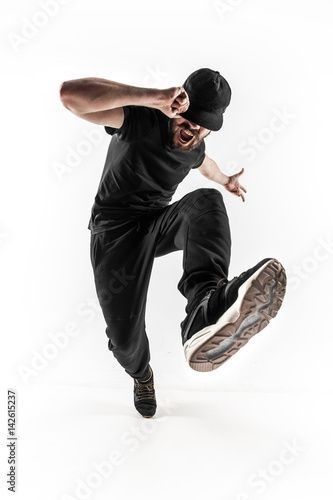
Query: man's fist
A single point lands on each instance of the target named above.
(173, 101)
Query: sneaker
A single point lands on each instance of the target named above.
(231, 313)
(144, 394)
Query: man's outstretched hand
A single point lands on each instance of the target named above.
(234, 186)
(173, 101)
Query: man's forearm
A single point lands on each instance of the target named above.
(211, 170)
(88, 95)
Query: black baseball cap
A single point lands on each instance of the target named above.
(209, 95)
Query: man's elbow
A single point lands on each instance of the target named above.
(64, 94)
(68, 97)
(204, 171)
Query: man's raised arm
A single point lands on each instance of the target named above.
(210, 169)
(102, 100)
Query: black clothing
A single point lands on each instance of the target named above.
(132, 223)
(142, 170)
(122, 258)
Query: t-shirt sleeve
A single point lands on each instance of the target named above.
(138, 122)
(201, 156)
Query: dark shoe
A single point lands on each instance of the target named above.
(231, 313)
(144, 394)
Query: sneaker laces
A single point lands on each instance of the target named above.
(221, 282)
(144, 389)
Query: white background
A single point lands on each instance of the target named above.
(259, 426)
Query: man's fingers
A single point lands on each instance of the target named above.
(182, 98)
(180, 94)
(235, 189)
(175, 113)
(180, 104)
(238, 192)
(179, 108)
(178, 101)
(183, 94)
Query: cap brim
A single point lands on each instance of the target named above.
(208, 119)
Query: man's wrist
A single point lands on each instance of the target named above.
(149, 97)
(224, 179)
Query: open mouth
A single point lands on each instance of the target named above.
(185, 136)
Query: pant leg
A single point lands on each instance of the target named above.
(122, 259)
(197, 224)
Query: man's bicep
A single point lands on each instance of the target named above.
(110, 117)
(116, 122)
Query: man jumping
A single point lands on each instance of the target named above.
(157, 138)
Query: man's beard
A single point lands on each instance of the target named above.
(179, 137)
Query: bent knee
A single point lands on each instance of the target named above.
(205, 199)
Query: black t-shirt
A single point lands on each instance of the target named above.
(141, 171)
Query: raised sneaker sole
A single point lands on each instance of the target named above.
(259, 299)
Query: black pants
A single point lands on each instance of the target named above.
(122, 259)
